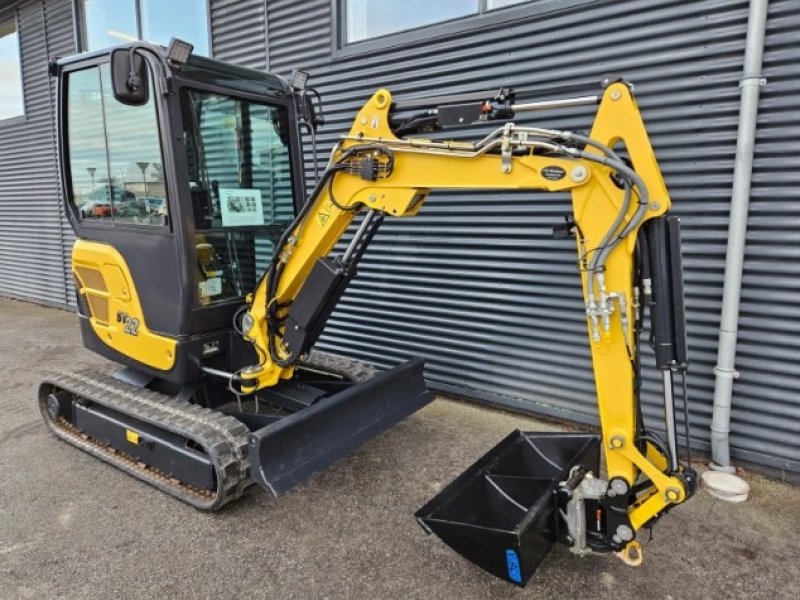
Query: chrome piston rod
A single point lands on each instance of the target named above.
(351, 249)
(550, 104)
(217, 373)
(669, 418)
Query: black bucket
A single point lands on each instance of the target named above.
(501, 513)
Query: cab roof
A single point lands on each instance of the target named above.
(200, 69)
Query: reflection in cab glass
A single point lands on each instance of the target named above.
(241, 189)
(114, 154)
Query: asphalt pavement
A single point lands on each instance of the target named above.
(73, 527)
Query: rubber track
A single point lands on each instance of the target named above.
(353, 370)
(222, 437)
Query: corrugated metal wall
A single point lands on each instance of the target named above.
(34, 236)
(238, 32)
(477, 286)
(766, 404)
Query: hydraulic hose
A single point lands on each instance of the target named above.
(275, 269)
(598, 259)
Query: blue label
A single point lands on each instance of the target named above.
(512, 563)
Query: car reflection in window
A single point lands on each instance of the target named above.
(115, 154)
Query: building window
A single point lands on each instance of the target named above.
(494, 4)
(184, 19)
(365, 19)
(368, 19)
(11, 99)
(114, 154)
(112, 22)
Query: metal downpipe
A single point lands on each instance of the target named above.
(725, 370)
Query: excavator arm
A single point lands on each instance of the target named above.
(375, 173)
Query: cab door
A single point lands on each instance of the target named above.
(126, 262)
(239, 164)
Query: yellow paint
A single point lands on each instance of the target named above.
(132, 436)
(595, 202)
(654, 456)
(104, 278)
(632, 554)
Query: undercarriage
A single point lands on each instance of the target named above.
(206, 445)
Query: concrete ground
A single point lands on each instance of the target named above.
(73, 527)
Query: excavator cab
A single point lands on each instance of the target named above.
(189, 188)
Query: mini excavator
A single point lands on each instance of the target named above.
(207, 272)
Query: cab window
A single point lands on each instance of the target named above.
(241, 189)
(114, 154)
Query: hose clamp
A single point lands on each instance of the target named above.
(753, 80)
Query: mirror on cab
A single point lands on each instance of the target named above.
(129, 76)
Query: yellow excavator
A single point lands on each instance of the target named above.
(206, 270)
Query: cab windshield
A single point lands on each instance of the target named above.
(241, 188)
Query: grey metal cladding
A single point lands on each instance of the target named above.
(477, 286)
(60, 26)
(766, 403)
(238, 32)
(34, 237)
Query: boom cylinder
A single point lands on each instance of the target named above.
(666, 307)
(323, 288)
(666, 315)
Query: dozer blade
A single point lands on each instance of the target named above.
(287, 452)
(502, 512)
